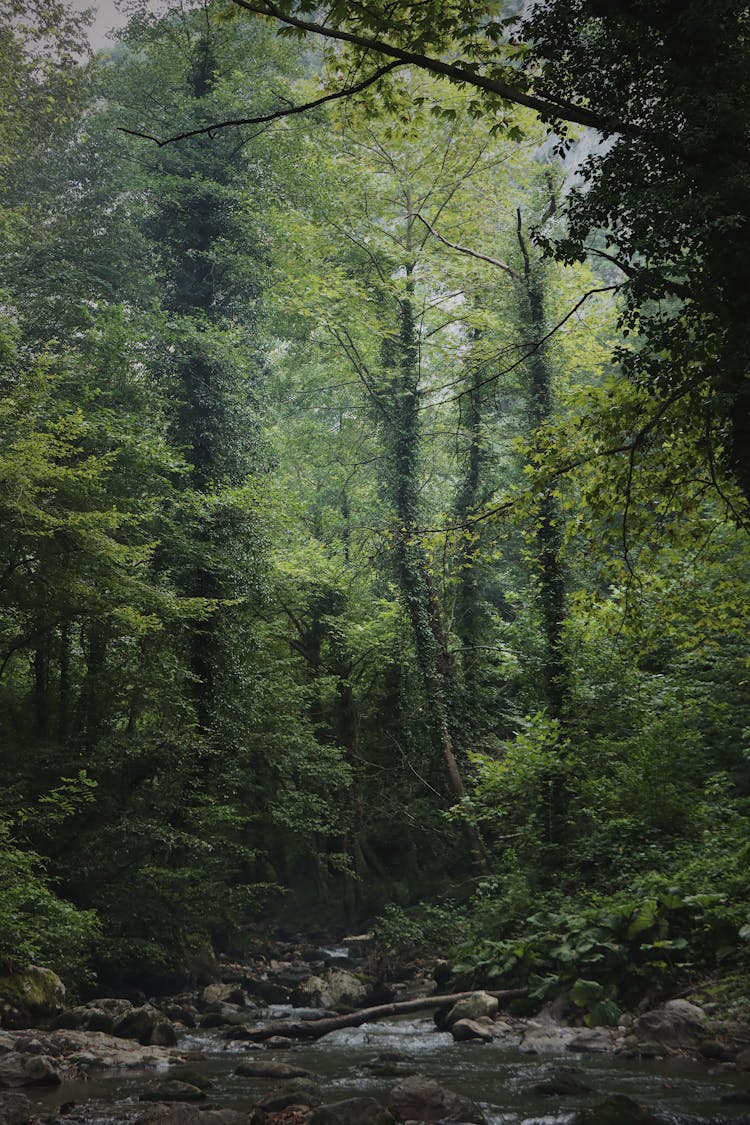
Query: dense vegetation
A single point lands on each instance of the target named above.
(374, 490)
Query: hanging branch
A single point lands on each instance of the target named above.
(288, 111)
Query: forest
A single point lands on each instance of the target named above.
(374, 486)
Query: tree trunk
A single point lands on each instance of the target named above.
(314, 1029)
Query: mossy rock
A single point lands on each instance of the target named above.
(29, 995)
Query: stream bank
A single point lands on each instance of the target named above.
(191, 1058)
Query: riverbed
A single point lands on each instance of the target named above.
(494, 1075)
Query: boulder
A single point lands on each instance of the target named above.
(279, 1043)
(423, 1099)
(163, 1034)
(28, 1070)
(171, 1090)
(261, 1068)
(464, 1031)
(29, 995)
(96, 1015)
(618, 1110)
(181, 1013)
(561, 1084)
(15, 1109)
(472, 1008)
(138, 1023)
(268, 991)
(225, 1015)
(297, 1091)
(333, 988)
(190, 1115)
(592, 1039)
(223, 994)
(351, 1111)
(676, 1027)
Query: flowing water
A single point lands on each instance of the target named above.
(495, 1076)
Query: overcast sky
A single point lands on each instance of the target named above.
(107, 17)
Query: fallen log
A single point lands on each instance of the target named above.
(314, 1029)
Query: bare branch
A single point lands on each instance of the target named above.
(287, 111)
(466, 250)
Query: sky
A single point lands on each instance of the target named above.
(107, 17)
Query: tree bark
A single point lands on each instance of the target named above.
(314, 1029)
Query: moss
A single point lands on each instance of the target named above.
(35, 990)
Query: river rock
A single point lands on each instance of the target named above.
(185, 1014)
(190, 1115)
(561, 1084)
(540, 1040)
(163, 1034)
(223, 994)
(592, 1039)
(29, 995)
(225, 1015)
(278, 1043)
(297, 1091)
(618, 1110)
(676, 1027)
(464, 1031)
(18, 1069)
(268, 991)
(332, 988)
(138, 1023)
(742, 1060)
(471, 1008)
(269, 1069)
(95, 1050)
(423, 1099)
(15, 1109)
(351, 1111)
(171, 1090)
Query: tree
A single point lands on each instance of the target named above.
(665, 192)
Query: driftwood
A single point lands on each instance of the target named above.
(314, 1029)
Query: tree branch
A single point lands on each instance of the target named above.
(466, 250)
(288, 111)
(556, 111)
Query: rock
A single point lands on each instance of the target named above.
(618, 1110)
(33, 993)
(163, 1034)
(138, 1023)
(96, 1015)
(181, 1013)
(737, 1097)
(268, 1069)
(676, 1027)
(562, 1084)
(390, 1064)
(351, 1111)
(719, 1052)
(472, 1008)
(172, 1090)
(279, 1043)
(742, 1060)
(189, 1074)
(223, 994)
(592, 1039)
(423, 1099)
(297, 1091)
(464, 1031)
(225, 1015)
(268, 991)
(333, 988)
(191, 1115)
(15, 1109)
(94, 1049)
(28, 1070)
(541, 1040)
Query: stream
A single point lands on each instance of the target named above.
(497, 1077)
